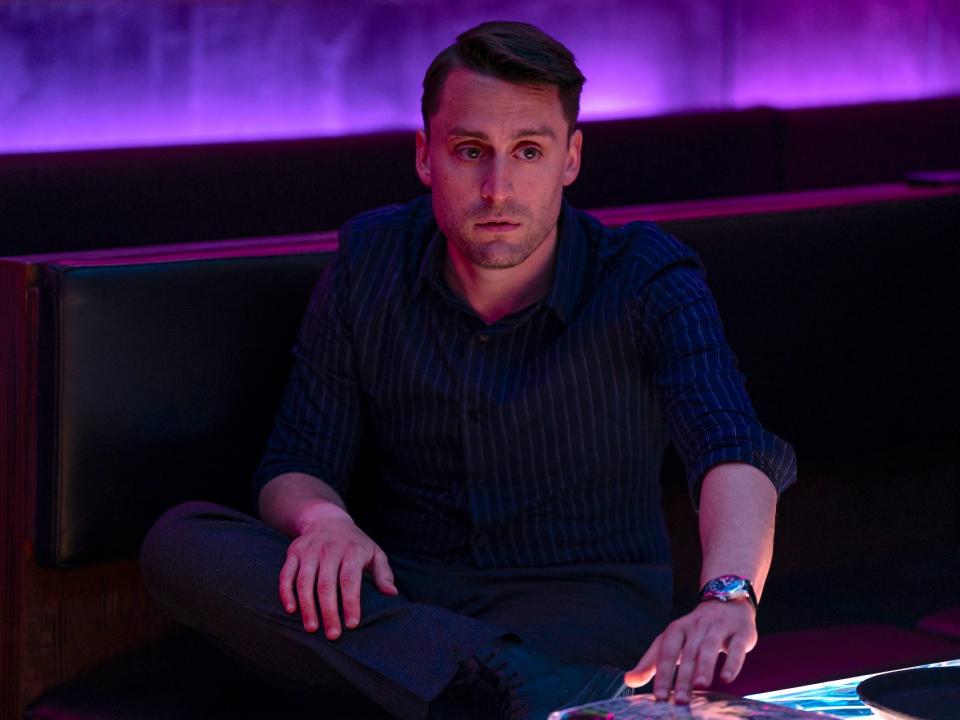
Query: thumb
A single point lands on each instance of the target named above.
(646, 668)
(382, 574)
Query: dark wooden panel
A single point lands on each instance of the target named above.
(53, 624)
(74, 620)
(17, 452)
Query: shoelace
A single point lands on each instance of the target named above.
(509, 699)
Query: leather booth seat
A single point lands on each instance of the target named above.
(144, 196)
(181, 677)
(802, 657)
(944, 622)
(135, 379)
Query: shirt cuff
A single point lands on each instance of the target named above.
(269, 470)
(771, 455)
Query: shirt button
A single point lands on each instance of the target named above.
(483, 338)
(481, 540)
(474, 415)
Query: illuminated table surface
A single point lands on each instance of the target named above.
(837, 697)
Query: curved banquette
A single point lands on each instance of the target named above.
(136, 378)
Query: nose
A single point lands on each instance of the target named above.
(497, 185)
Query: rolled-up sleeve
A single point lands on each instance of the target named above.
(700, 391)
(317, 429)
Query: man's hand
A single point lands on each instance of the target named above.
(330, 553)
(737, 508)
(690, 646)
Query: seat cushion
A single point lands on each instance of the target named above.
(801, 657)
(158, 384)
(183, 677)
(943, 622)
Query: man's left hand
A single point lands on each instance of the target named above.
(690, 646)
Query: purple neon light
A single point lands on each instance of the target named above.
(102, 73)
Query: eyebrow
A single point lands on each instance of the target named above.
(541, 131)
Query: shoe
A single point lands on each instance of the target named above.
(514, 682)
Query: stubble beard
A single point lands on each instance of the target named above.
(497, 252)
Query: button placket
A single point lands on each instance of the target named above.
(474, 412)
(470, 419)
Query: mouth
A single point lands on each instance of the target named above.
(499, 226)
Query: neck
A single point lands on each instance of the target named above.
(496, 292)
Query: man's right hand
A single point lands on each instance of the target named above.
(331, 553)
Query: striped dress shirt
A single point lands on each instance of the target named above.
(538, 439)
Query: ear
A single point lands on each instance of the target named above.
(571, 166)
(423, 157)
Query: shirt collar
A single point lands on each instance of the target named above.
(431, 265)
(568, 277)
(571, 264)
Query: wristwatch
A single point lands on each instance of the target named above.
(729, 587)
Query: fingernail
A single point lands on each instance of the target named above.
(728, 676)
(351, 622)
(310, 626)
(700, 681)
(333, 634)
(290, 608)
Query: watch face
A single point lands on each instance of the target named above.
(727, 585)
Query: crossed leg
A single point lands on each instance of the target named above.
(216, 570)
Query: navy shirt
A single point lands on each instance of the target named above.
(537, 440)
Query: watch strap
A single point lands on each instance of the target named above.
(722, 588)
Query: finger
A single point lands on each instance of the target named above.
(683, 682)
(327, 595)
(382, 574)
(288, 574)
(306, 577)
(671, 651)
(736, 654)
(646, 668)
(709, 652)
(351, 574)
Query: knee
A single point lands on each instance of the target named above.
(173, 526)
(164, 559)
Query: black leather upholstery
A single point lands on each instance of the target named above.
(843, 320)
(144, 196)
(183, 677)
(159, 383)
(160, 380)
(696, 155)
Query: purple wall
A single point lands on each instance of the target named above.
(99, 73)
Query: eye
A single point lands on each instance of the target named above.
(529, 152)
(469, 152)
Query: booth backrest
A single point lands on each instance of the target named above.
(137, 378)
(874, 142)
(158, 383)
(843, 318)
(157, 374)
(54, 202)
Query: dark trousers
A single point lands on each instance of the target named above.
(217, 570)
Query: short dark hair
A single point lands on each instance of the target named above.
(512, 51)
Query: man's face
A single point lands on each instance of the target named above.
(497, 161)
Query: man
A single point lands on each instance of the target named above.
(518, 369)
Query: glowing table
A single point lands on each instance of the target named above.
(837, 697)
